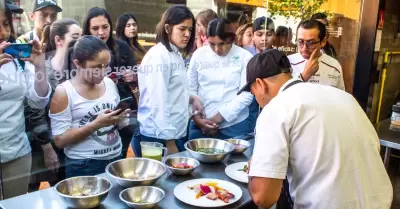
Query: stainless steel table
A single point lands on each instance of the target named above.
(388, 138)
(48, 199)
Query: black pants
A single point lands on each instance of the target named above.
(285, 201)
(126, 135)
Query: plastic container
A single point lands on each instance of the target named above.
(395, 124)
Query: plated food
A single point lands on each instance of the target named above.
(238, 172)
(208, 193)
(212, 191)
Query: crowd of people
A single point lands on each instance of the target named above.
(314, 146)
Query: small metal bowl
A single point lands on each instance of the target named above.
(192, 145)
(83, 191)
(181, 171)
(126, 171)
(239, 145)
(150, 194)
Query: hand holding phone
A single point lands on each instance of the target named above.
(125, 105)
(4, 57)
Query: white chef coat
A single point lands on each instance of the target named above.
(163, 110)
(321, 139)
(216, 80)
(330, 71)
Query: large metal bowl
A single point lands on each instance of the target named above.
(150, 194)
(126, 171)
(83, 191)
(240, 145)
(181, 171)
(192, 145)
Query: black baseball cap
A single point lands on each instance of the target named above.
(264, 65)
(40, 4)
(13, 8)
(259, 24)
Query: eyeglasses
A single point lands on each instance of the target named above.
(309, 44)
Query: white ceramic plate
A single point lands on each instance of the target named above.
(232, 172)
(184, 194)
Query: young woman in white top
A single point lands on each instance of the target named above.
(46, 158)
(19, 80)
(163, 111)
(82, 111)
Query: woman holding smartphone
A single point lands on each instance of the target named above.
(83, 117)
(98, 23)
(20, 79)
(163, 112)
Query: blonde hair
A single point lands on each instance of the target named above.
(240, 33)
(206, 16)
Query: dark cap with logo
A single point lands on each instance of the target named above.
(13, 8)
(264, 65)
(263, 23)
(40, 4)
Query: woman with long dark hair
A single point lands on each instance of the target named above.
(164, 92)
(127, 30)
(45, 157)
(83, 112)
(21, 80)
(98, 23)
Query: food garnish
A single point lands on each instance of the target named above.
(212, 192)
(140, 201)
(210, 150)
(182, 166)
(244, 169)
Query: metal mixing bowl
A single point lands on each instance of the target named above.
(177, 160)
(243, 143)
(192, 145)
(131, 172)
(150, 194)
(83, 191)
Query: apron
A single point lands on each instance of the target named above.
(285, 201)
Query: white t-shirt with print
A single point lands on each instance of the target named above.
(105, 143)
(321, 139)
(330, 71)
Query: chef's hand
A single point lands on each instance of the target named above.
(197, 107)
(4, 58)
(217, 119)
(50, 158)
(312, 65)
(207, 126)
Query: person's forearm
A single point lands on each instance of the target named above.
(192, 98)
(41, 83)
(74, 135)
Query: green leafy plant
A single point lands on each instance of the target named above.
(301, 9)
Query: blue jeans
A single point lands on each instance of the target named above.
(137, 138)
(86, 167)
(253, 115)
(238, 130)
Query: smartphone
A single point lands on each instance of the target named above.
(125, 103)
(19, 50)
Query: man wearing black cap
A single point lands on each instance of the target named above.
(263, 35)
(318, 137)
(44, 13)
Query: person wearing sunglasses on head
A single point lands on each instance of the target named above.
(309, 63)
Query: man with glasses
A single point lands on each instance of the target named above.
(216, 73)
(328, 48)
(310, 64)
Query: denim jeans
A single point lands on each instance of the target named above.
(238, 130)
(253, 115)
(86, 167)
(137, 138)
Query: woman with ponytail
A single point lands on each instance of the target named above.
(45, 156)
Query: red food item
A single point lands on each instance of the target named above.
(182, 166)
(205, 189)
